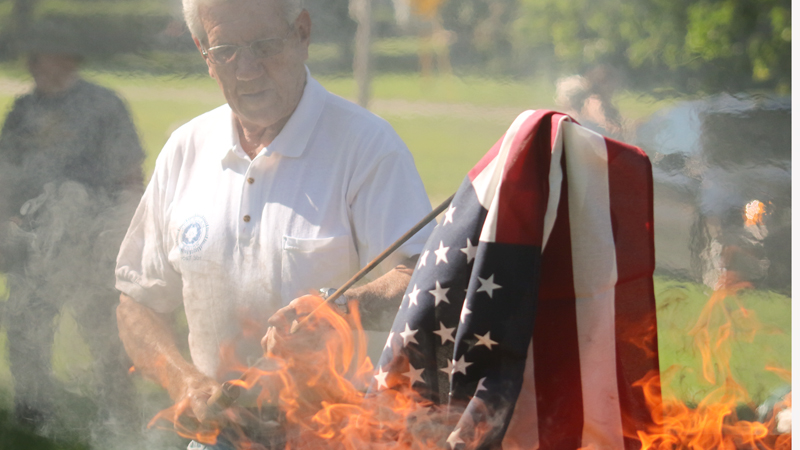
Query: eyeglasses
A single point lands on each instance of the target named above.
(261, 49)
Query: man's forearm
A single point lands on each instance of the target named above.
(379, 299)
(151, 346)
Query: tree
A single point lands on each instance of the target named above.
(483, 34)
(694, 46)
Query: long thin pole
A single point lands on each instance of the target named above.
(377, 260)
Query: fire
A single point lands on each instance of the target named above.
(714, 423)
(317, 378)
(753, 213)
(314, 382)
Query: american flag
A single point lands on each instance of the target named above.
(532, 304)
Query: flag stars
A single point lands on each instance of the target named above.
(449, 369)
(461, 365)
(488, 285)
(448, 216)
(380, 377)
(423, 259)
(485, 340)
(454, 439)
(441, 253)
(470, 250)
(414, 375)
(445, 333)
(412, 296)
(408, 336)
(440, 294)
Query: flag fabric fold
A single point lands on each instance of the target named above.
(532, 304)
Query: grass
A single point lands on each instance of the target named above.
(497, 92)
(759, 339)
(448, 124)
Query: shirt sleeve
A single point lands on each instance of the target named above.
(389, 200)
(143, 270)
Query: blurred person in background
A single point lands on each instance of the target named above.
(70, 174)
(588, 99)
(284, 190)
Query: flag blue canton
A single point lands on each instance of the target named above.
(465, 323)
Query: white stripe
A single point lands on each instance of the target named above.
(594, 268)
(487, 182)
(523, 428)
(556, 176)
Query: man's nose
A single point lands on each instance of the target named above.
(248, 67)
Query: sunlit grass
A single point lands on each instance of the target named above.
(498, 92)
(679, 305)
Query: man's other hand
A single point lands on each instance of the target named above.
(195, 389)
(149, 341)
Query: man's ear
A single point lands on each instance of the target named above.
(198, 45)
(205, 57)
(303, 26)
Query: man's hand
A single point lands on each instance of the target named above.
(150, 344)
(377, 302)
(195, 389)
(280, 339)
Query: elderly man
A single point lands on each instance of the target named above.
(284, 190)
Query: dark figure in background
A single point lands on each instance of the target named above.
(70, 177)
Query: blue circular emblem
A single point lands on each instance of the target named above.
(192, 235)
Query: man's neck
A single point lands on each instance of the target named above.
(59, 86)
(254, 137)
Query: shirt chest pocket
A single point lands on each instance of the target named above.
(308, 264)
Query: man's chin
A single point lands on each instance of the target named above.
(258, 117)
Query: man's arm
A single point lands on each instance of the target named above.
(379, 299)
(151, 346)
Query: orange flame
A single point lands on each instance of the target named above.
(713, 423)
(318, 379)
(754, 213)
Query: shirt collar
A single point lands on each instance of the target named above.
(293, 138)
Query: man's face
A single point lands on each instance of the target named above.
(260, 92)
(50, 71)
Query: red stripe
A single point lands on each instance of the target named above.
(559, 403)
(631, 203)
(487, 158)
(522, 201)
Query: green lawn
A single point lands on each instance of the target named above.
(760, 339)
(448, 123)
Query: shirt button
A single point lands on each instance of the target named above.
(246, 218)
(251, 180)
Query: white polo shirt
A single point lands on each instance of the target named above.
(234, 239)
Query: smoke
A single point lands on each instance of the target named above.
(59, 255)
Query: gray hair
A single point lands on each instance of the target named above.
(191, 13)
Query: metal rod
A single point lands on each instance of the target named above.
(377, 260)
